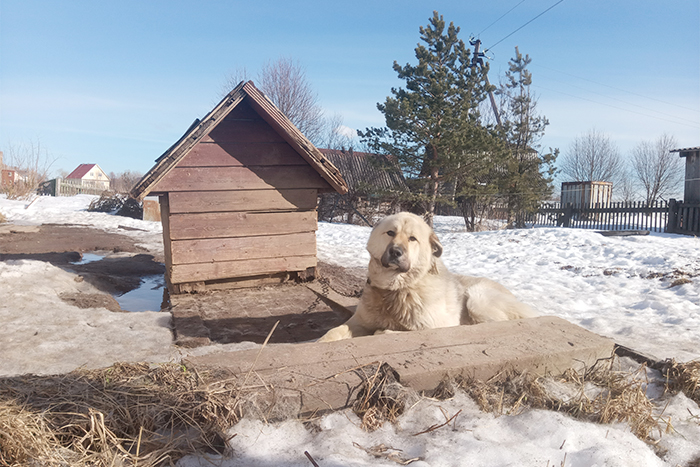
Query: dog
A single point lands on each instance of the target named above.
(409, 288)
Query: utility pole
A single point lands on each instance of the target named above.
(478, 59)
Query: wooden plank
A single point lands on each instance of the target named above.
(325, 376)
(241, 154)
(243, 248)
(244, 200)
(243, 111)
(233, 225)
(232, 269)
(239, 178)
(167, 252)
(243, 131)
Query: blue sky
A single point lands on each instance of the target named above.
(116, 83)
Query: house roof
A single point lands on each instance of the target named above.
(81, 171)
(362, 169)
(686, 150)
(268, 112)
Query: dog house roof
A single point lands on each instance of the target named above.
(268, 112)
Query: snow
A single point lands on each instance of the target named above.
(620, 287)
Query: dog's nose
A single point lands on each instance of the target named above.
(395, 251)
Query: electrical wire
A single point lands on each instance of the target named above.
(533, 19)
(693, 122)
(501, 17)
(618, 108)
(615, 88)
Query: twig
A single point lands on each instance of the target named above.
(435, 427)
(245, 380)
(311, 459)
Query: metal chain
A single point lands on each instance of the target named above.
(326, 287)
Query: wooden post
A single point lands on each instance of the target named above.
(672, 218)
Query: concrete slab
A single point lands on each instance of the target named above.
(310, 377)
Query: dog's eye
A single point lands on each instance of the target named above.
(413, 239)
(391, 233)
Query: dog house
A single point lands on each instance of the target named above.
(238, 194)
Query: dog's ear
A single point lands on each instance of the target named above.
(436, 245)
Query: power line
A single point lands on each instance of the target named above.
(615, 88)
(533, 19)
(501, 17)
(616, 107)
(696, 123)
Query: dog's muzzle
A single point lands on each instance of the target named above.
(395, 256)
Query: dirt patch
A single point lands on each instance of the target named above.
(91, 300)
(54, 238)
(248, 315)
(345, 281)
(63, 246)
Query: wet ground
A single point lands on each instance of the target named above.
(129, 279)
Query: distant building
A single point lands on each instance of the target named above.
(9, 177)
(375, 184)
(586, 194)
(692, 173)
(90, 176)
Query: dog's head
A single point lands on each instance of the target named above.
(403, 245)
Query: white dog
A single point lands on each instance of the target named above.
(409, 288)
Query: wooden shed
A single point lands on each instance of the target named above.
(692, 173)
(238, 195)
(586, 195)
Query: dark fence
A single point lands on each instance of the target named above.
(683, 217)
(659, 216)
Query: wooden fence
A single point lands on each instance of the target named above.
(659, 216)
(683, 217)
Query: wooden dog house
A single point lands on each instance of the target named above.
(238, 195)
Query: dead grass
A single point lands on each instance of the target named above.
(381, 396)
(600, 394)
(683, 377)
(122, 415)
(3, 219)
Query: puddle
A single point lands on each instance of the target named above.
(89, 258)
(149, 296)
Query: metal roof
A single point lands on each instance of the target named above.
(695, 149)
(81, 171)
(363, 170)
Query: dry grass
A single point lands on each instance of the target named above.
(381, 396)
(3, 219)
(122, 415)
(683, 377)
(601, 395)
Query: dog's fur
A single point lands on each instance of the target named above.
(409, 288)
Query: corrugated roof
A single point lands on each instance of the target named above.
(268, 112)
(696, 148)
(361, 170)
(81, 171)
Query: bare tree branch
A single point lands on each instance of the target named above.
(593, 157)
(657, 170)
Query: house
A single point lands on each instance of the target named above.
(586, 194)
(89, 176)
(374, 185)
(9, 177)
(692, 173)
(238, 194)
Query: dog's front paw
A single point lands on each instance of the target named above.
(336, 334)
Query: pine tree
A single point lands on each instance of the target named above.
(433, 127)
(528, 175)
